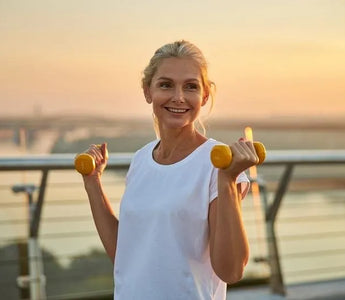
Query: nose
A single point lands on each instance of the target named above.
(178, 95)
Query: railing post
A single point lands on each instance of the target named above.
(22, 279)
(36, 278)
(276, 277)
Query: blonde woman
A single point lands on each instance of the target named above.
(180, 233)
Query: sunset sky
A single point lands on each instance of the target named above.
(268, 58)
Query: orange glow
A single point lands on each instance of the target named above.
(249, 136)
(266, 57)
(256, 197)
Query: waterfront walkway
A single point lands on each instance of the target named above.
(324, 290)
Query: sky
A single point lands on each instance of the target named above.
(268, 58)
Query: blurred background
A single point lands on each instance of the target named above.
(70, 76)
(269, 59)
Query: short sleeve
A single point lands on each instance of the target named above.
(242, 179)
(213, 185)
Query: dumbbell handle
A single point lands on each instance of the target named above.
(221, 155)
(84, 163)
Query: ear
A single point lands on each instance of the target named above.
(205, 99)
(147, 95)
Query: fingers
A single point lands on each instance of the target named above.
(244, 151)
(99, 153)
(243, 157)
(104, 151)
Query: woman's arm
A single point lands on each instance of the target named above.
(102, 212)
(228, 240)
(229, 247)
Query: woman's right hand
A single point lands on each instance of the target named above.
(100, 155)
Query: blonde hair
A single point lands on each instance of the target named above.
(180, 49)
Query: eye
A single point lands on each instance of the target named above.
(165, 85)
(192, 86)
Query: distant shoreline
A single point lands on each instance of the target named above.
(275, 122)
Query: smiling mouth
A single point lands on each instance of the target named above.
(177, 110)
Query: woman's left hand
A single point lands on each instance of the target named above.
(243, 157)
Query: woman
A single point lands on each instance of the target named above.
(180, 233)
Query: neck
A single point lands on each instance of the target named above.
(175, 144)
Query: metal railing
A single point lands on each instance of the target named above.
(289, 159)
(121, 161)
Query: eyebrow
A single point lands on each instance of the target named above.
(167, 78)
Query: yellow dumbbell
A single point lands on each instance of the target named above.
(221, 155)
(84, 163)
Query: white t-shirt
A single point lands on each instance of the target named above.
(163, 238)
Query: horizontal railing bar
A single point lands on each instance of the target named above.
(330, 252)
(310, 236)
(320, 253)
(75, 201)
(122, 160)
(115, 181)
(303, 219)
(14, 204)
(54, 202)
(245, 205)
(287, 205)
(49, 259)
(62, 278)
(315, 253)
(282, 238)
(306, 236)
(278, 157)
(317, 270)
(50, 220)
(57, 162)
(47, 236)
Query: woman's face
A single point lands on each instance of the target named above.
(176, 93)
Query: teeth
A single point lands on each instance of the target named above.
(176, 110)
